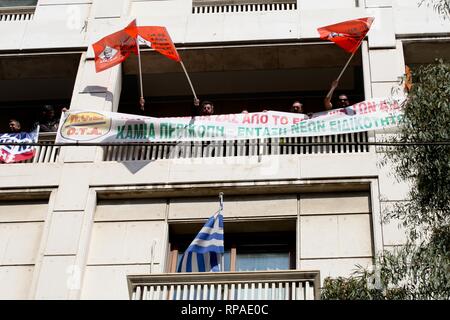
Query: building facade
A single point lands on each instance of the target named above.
(88, 222)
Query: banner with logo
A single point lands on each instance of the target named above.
(16, 153)
(100, 126)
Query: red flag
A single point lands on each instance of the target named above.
(348, 34)
(158, 38)
(115, 48)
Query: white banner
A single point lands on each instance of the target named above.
(100, 126)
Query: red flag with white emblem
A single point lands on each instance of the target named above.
(115, 48)
(348, 34)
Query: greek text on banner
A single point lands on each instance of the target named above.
(100, 126)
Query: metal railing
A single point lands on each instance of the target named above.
(258, 285)
(237, 148)
(229, 6)
(46, 153)
(17, 13)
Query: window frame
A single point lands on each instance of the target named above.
(232, 243)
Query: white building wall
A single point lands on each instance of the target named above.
(70, 23)
(335, 233)
(21, 231)
(130, 237)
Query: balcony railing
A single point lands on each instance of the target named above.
(237, 148)
(17, 13)
(229, 6)
(261, 285)
(46, 153)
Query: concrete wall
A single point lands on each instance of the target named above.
(69, 23)
(21, 231)
(335, 233)
(123, 239)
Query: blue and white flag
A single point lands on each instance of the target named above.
(16, 153)
(205, 253)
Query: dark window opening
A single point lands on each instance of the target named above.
(424, 52)
(250, 251)
(30, 82)
(252, 78)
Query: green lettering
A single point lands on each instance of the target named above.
(129, 132)
(151, 131)
(140, 131)
(120, 131)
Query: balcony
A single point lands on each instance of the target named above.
(47, 152)
(349, 143)
(22, 13)
(261, 285)
(228, 6)
(236, 148)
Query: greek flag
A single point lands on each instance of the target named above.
(205, 253)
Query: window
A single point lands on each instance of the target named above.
(252, 251)
(263, 257)
(29, 82)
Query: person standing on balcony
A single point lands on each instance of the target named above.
(297, 107)
(49, 121)
(342, 102)
(205, 109)
(14, 126)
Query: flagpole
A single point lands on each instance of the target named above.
(346, 65)
(141, 99)
(190, 83)
(221, 201)
(343, 69)
(222, 260)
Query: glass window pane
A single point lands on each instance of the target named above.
(227, 260)
(262, 261)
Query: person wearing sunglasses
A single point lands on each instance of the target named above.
(342, 101)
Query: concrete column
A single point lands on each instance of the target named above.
(93, 91)
(71, 214)
(386, 59)
(387, 66)
(65, 249)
